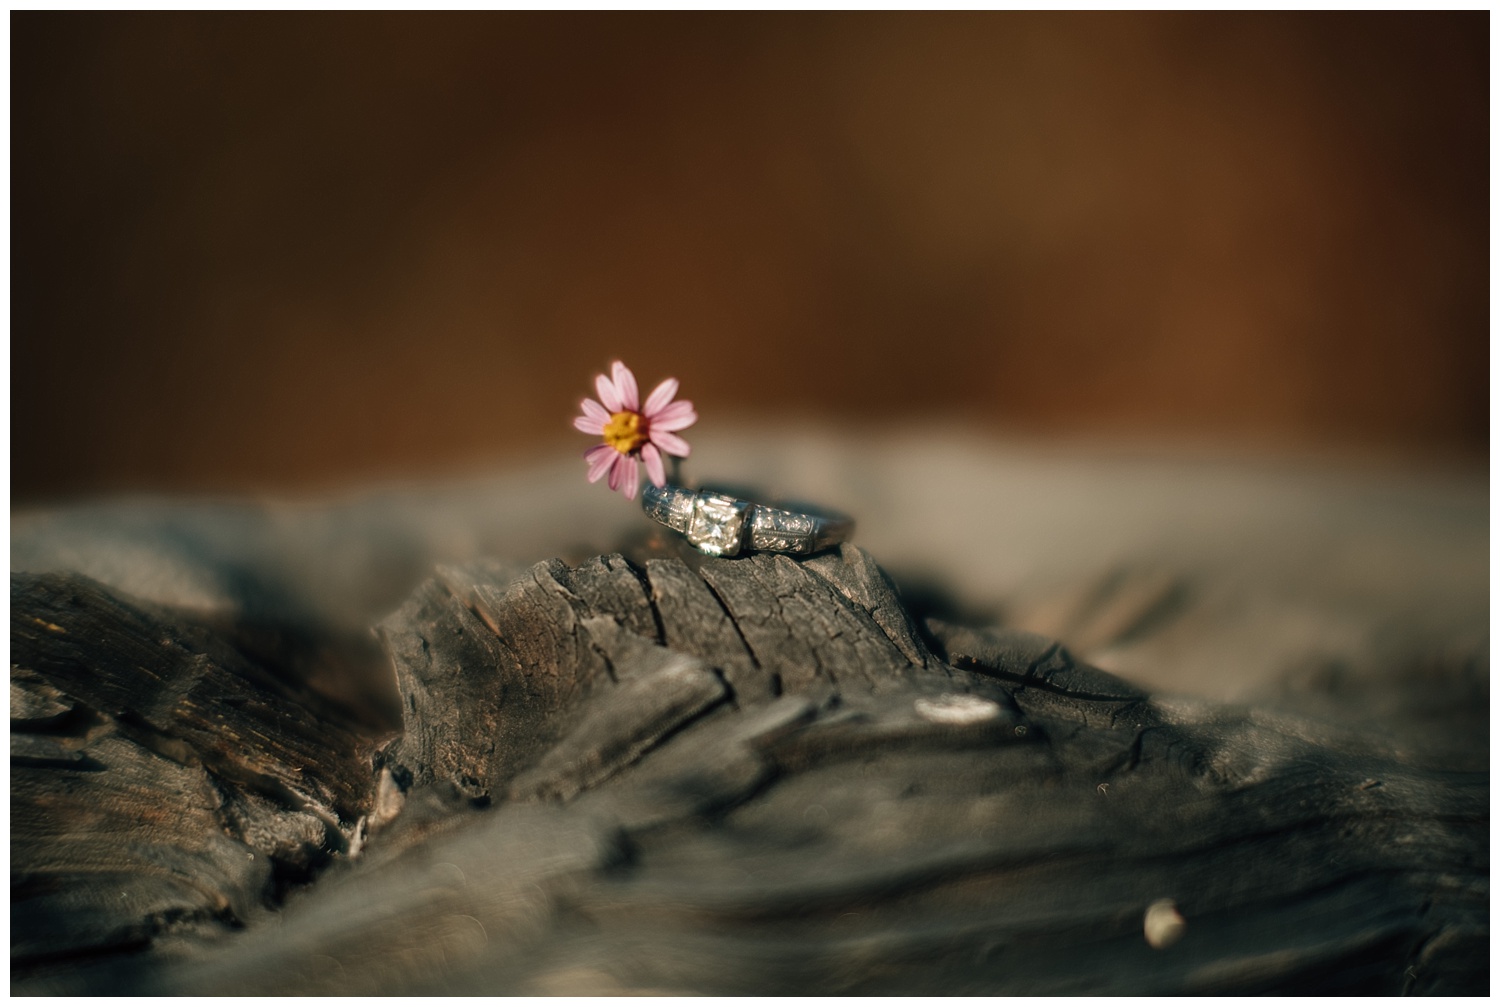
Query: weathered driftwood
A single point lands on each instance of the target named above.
(721, 776)
(159, 778)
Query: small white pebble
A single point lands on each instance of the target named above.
(956, 708)
(1164, 924)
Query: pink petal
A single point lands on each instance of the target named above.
(617, 470)
(630, 396)
(674, 417)
(670, 443)
(588, 425)
(659, 398)
(607, 393)
(632, 476)
(600, 457)
(654, 467)
(594, 409)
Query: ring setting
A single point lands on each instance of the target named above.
(723, 525)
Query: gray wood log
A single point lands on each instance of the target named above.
(676, 774)
(160, 779)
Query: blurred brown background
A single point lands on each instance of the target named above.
(274, 252)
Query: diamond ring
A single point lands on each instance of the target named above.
(723, 525)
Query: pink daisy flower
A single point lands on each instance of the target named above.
(633, 433)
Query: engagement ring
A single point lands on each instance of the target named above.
(724, 525)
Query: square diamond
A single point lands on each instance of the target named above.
(718, 524)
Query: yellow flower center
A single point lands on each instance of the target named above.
(623, 432)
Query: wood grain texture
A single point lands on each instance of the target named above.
(161, 780)
(759, 775)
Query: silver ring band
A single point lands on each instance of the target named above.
(723, 525)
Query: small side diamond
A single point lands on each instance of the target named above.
(682, 510)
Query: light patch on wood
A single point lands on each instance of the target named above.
(1164, 925)
(956, 708)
